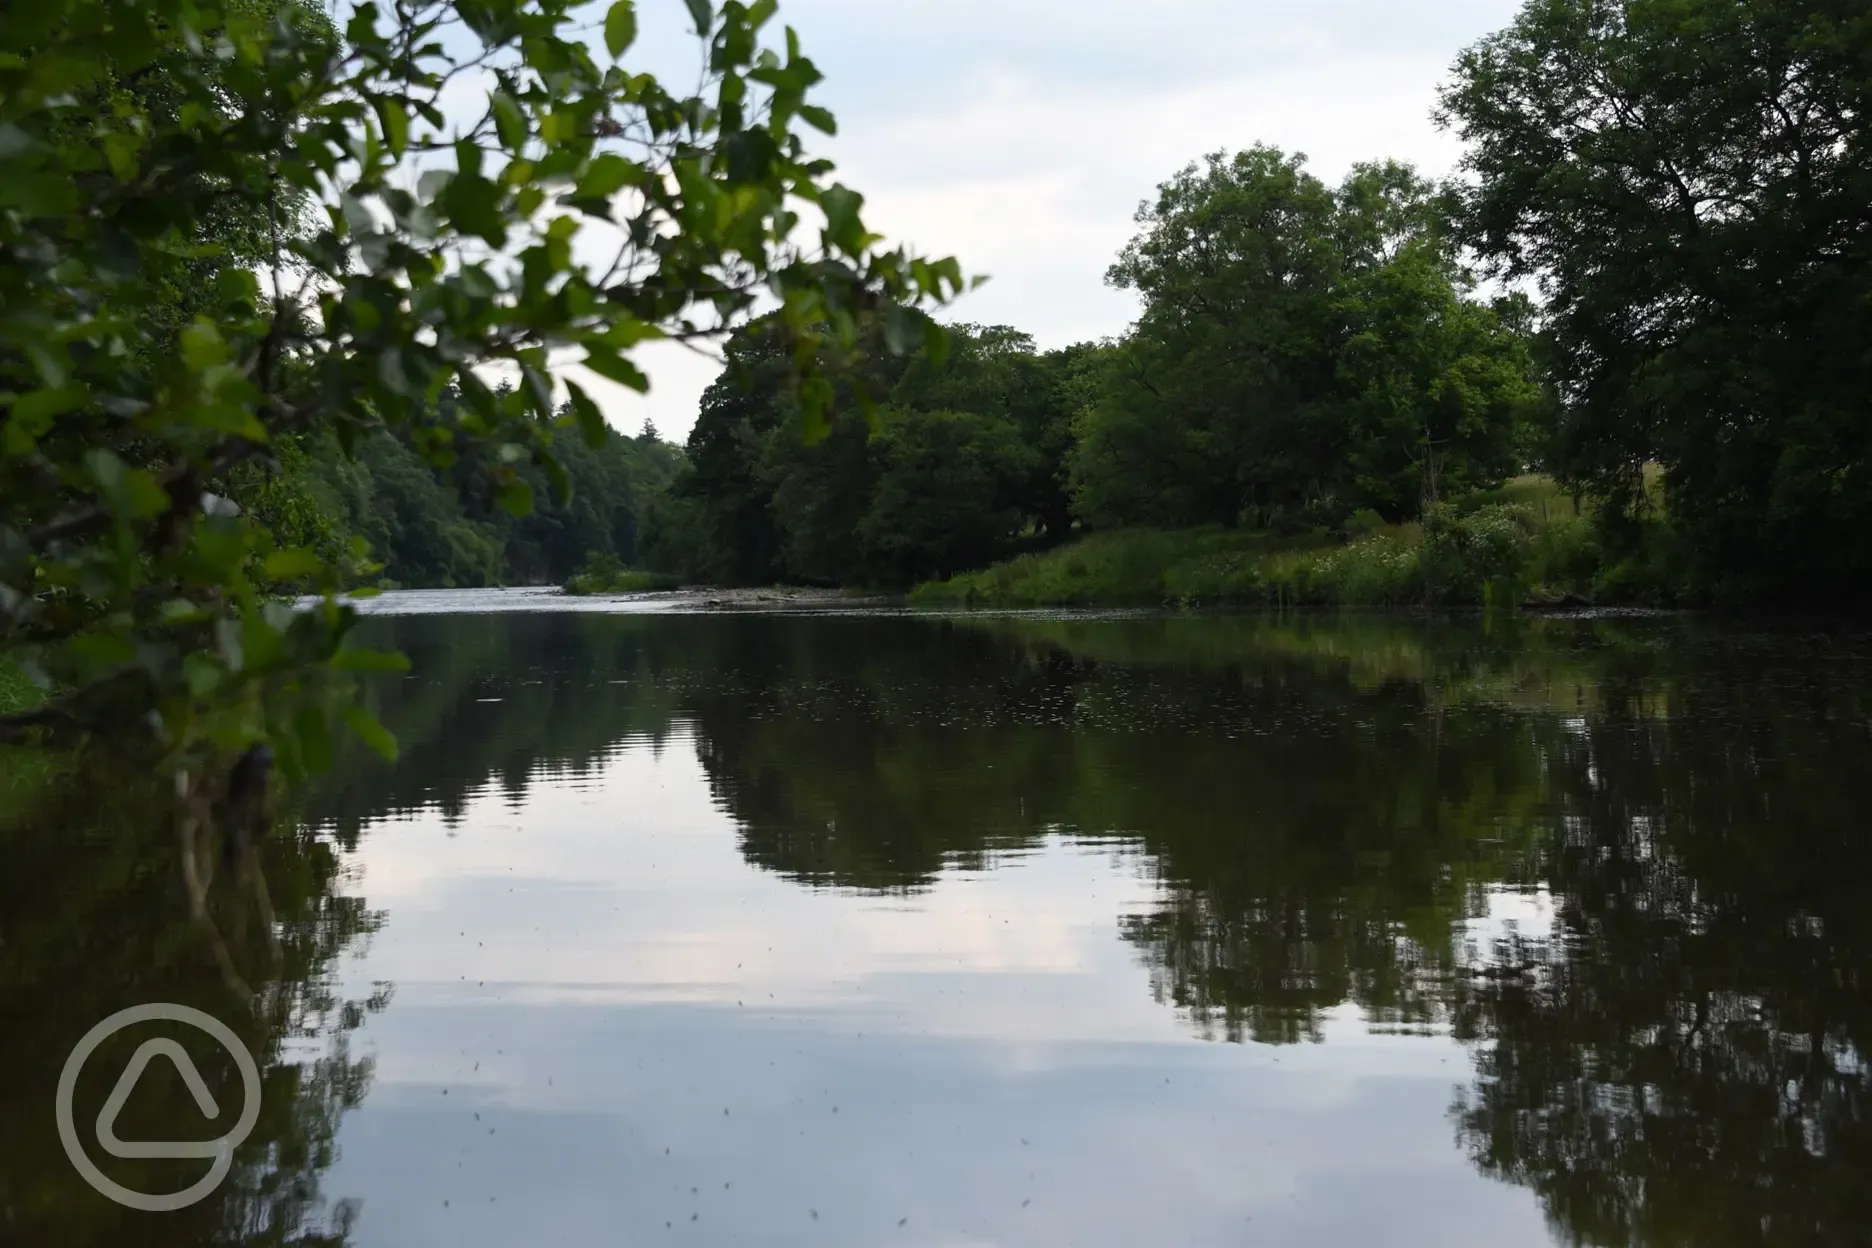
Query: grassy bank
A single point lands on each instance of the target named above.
(1521, 545)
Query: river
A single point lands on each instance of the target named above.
(867, 927)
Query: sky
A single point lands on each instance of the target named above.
(1021, 135)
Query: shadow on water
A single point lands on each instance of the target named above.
(1668, 1047)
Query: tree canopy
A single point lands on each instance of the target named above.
(1688, 183)
(1302, 353)
(228, 228)
(958, 461)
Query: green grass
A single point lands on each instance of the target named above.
(622, 581)
(24, 772)
(1523, 544)
(1127, 567)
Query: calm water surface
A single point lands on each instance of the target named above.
(883, 929)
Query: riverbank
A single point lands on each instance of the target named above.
(694, 598)
(1522, 546)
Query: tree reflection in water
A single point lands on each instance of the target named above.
(1330, 810)
(94, 918)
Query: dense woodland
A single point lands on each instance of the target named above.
(428, 526)
(1649, 282)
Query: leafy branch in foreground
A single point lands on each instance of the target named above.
(228, 223)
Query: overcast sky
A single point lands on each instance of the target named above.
(1020, 135)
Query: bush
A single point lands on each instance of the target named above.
(604, 574)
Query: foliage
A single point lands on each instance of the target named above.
(948, 493)
(361, 261)
(1302, 353)
(603, 573)
(1688, 182)
(24, 773)
(442, 528)
(960, 463)
(1479, 554)
(91, 922)
(1117, 568)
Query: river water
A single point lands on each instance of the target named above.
(877, 928)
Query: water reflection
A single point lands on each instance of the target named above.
(1328, 814)
(93, 920)
(1681, 1058)
(797, 927)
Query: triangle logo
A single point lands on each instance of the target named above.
(126, 1084)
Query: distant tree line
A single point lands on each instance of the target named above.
(426, 526)
(1674, 201)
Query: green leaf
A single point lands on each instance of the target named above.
(313, 734)
(515, 497)
(625, 331)
(818, 118)
(201, 673)
(395, 122)
(202, 346)
(473, 205)
(935, 342)
(899, 322)
(614, 367)
(703, 14)
(121, 150)
(815, 408)
(293, 564)
(591, 420)
(620, 28)
(607, 174)
(841, 206)
(129, 493)
(369, 731)
(32, 415)
(509, 120)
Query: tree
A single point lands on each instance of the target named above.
(1220, 411)
(1688, 181)
(1303, 353)
(1439, 388)
(996, 371)
(577, 208)
(874, 499)
(948, 494)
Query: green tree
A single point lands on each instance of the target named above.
(1219, 408)
(1439, 388)
(1689, 181)
(723, 505)
(1303, 352)
(948, 495)
(439, 252)
(874, 498)
(996, 371)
